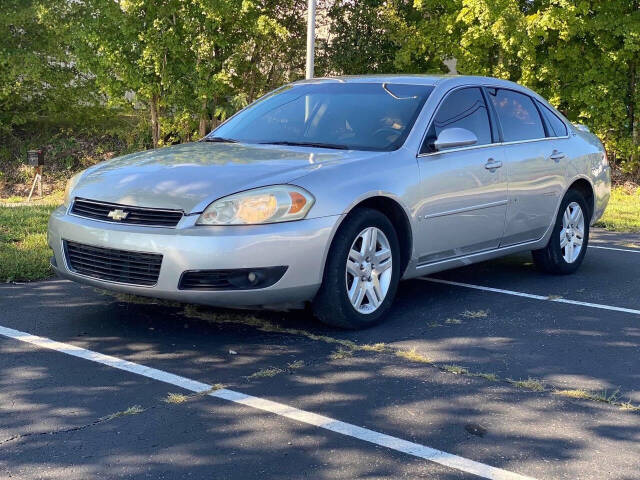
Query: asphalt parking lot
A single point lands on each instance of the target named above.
(474, 375)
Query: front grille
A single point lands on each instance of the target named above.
(134, 215)
(237, 279)
(113, 265)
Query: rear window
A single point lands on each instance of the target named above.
(519, 117)
(557, 126)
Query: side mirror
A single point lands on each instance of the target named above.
(454, 137)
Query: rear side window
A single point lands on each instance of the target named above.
(519, 117)
(464, 108)
(557, 126)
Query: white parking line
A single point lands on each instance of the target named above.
(616, 249)
(327, 423)
(533, 296)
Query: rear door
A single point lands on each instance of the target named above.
(464, 189)
(534, 163)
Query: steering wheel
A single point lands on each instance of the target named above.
(387, 129)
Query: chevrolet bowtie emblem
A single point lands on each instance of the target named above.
(118, 214)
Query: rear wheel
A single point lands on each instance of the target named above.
(362, 272)
(568, 243)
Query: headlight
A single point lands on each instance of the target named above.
(71, 184)
(280, 203)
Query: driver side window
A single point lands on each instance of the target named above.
(464, 108)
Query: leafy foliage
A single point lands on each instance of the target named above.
(582, 55)
(24, 253)
(37, 78)
(181, 67)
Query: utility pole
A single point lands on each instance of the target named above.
(311, 37)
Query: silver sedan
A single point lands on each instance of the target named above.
(331, 191)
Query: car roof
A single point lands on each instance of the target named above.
(415, 79)
(445, 81)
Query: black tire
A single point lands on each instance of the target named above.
(550, 259)
(331, 304)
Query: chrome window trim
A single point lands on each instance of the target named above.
(499, 144)
(514, 142)
(459, 149)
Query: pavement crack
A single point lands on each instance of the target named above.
(133, 410)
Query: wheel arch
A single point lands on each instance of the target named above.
(395, 211)
(585, 188)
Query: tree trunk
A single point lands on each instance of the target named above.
(214, 121)
(202, 128)
(634, 103)
(155, 125)
(634, 115)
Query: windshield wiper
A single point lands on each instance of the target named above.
(309, 144)
(219, 140)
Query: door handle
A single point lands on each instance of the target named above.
(492, 164)
(556, 155)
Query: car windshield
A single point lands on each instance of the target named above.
(355, 116)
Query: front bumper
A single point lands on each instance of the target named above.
(301, 246)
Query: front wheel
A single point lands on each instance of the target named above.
(568, 243)
(362, 272)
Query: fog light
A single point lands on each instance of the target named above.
(232, 279)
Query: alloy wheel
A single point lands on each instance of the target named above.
(368, 271)
(572, 233)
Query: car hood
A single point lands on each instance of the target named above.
(190, 176)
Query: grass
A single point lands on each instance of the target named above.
(266, 373)
(413, 356)
(475, 314)
(623, 212)
(603, 396)
(54, 198)
(455, 369)
(375, 347)
(24, 253)
(176, 398)
(528, 384)
(492, 377)
(612, 398)
(134, 410)
(341, 354)
(295, 365)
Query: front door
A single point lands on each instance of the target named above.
(464, 190)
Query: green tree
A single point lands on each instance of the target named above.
(135, 49)
(386, 36)
(36, 76)
(581, 55)
(189, 64)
